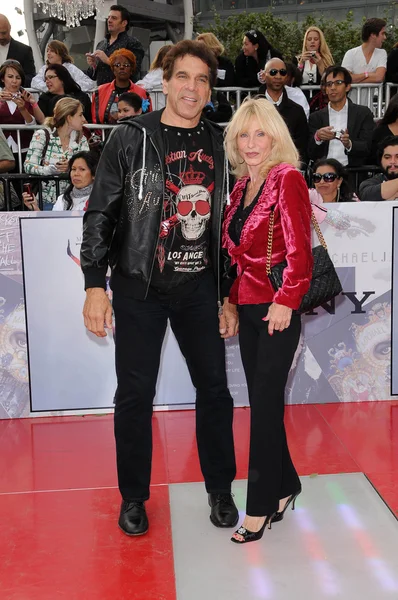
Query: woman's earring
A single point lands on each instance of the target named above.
(338, 194)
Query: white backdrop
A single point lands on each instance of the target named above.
(344, 355)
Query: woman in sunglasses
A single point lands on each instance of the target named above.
(104, 104)
(256, 51)
(269, 188)
(331, 183)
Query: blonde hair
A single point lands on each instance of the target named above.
(64, 108)
(213, 44)
(324, 51)
(159, 56)
(283, 149)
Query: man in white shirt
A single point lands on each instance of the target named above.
(368, 63)
(343, 130)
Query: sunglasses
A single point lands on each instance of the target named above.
(327, 177)
(202, 207)
(49, 77)
(330, 84)
(274, 72)
(118, 65)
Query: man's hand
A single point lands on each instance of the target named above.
(229, 320)
(325, 134)
(278, 317)
(345, 140)
(97, 311)
(91, 60)
(102, 56)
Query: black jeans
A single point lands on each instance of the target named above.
(140, 330)
(266, 361)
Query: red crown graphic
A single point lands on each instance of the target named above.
(192, 177)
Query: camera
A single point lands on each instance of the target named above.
(313, 54)
(338, 133)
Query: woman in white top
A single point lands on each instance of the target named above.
(153, 79)
(58, 53)
(52, 147)
(82, 168)
(315, 56)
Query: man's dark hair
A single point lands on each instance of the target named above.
(370, 26)
(190, 48)
(392, 140)
(336, 70)
(295, 73)
(391, 114)
(124, 13)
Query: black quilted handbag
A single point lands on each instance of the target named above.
(325, 283)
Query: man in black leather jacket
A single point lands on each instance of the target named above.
(155, 217)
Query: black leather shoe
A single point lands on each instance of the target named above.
(133, 519)
(223, 510)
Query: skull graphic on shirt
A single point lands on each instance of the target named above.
(193, 210)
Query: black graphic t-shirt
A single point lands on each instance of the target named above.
(183, 245)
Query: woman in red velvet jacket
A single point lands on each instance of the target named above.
(265, 161)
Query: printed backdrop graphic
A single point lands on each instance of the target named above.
(394, 346)
(344, 353)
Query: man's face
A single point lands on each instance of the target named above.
(5, 32)
(336, 89)
(389, 162)
(381, 38)
(275, 75)
(115, 23)
(188, 90)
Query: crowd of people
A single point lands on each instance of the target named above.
(324, 124)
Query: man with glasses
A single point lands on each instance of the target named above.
(343, 130)
(274, 77)
(383, 186)
(116, 38)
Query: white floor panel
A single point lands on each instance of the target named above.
(341, 542)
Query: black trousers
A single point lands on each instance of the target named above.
(140, 330)
(266, 361)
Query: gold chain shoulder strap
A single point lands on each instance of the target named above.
(271, 235)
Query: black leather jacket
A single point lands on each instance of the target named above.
(121, 225)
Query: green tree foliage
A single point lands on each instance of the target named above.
(287, 36)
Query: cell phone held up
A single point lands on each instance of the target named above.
(27, 188)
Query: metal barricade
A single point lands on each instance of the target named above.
(7, 179)
(357, 90)
(19, 128)
(389, 86)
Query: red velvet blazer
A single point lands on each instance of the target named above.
(286, 190)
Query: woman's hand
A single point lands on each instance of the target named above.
(20, 102)
(62, 165)
(30, 201)
(4, 95)
(278, 317)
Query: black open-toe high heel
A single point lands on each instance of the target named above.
(278, 516)
(252, 536)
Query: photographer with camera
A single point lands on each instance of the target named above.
(343, 130)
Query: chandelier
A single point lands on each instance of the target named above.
(71, 11)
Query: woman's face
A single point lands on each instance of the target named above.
(80, 174)
(53, 83)
(12, 80)
(53, 58)
(254, 144)
(77, 120)
(125, 110)
(248, 48)
(328, 190)
(312, 42)
(122, 69)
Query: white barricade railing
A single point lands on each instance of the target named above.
(26, 128)
(358, 90)
(389, 85)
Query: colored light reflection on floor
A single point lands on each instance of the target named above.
(327, 577)
(350, 517)
(261, 583)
